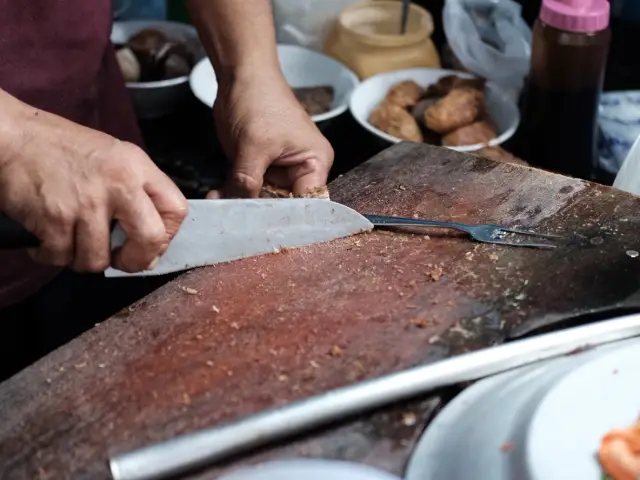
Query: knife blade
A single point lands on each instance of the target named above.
(218, 231)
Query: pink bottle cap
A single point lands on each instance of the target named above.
(581, 16)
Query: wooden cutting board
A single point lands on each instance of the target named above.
(229, 340)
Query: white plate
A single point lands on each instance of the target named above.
(368, 95)
(541, 422)
(301, 67)
(565, 432)
(309, 469)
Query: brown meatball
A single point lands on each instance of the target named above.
(404, 94)
(459, 108)
(449, 82)
(396, 121)
(478, 132)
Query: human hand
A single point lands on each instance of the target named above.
(269, 137)
(65, 183)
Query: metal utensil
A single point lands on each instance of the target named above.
(218, 231)
(405, 16)
(189, 451)
(224, 230)
(485, 233)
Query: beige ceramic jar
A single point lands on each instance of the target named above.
(366, 38)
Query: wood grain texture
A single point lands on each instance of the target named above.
(229, 340)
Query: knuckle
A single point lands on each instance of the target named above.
(246, 181)
(154, 236)
(61, 216)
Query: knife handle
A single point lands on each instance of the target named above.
(14, 236)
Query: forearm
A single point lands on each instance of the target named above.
(238, 35)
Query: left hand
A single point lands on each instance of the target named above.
(269, 137)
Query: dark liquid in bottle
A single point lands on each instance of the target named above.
(559, 130)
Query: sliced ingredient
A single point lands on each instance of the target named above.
(315, 100)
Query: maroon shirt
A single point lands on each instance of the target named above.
(56, 55)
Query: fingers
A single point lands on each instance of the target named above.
(57, 245)
(145, 231)
(311, 173)
(247, 175)
(92, 241)
(169, 202)
(307, 182)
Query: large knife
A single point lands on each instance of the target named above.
(218, 231)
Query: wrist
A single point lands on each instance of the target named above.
(248, 73)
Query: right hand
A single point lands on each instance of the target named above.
(65, 183)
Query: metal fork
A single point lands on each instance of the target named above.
(485, 233)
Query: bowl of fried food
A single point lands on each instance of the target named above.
(439, 107)
(155, 58)
(321, 84)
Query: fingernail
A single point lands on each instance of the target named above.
(153, 264)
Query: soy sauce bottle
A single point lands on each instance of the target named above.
(569, 54)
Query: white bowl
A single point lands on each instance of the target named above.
(301, 67)
(156, 99)
(540, 422)
(368, 95)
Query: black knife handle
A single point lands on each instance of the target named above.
(14, 236)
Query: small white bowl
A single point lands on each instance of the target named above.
(368, 95)
(301, 67)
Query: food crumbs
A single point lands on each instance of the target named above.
(210, 363)
(409, 419)
(186, 398)
(235, 325)
(632, 253)
(215, 309)
(102, 365)
(419, 322)
(283, 378)
(336, 351)
(434, 339)
(80, 365)
(506, 447)
(435, 273)
(189, 290)
(493, 256)
(402, 187)
(314, 364)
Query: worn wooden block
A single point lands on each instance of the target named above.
(229, 340)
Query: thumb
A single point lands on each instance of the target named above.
(247, 173)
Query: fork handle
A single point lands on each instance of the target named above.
(385, 221)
